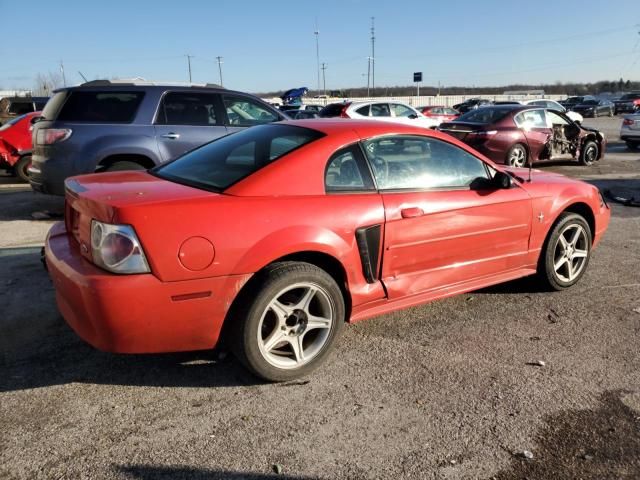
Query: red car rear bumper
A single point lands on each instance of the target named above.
(136, 313)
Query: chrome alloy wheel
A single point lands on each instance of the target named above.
(517, 157)
(590, 154)
(570, 253)
(295, 325)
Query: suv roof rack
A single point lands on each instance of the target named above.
(142, 82)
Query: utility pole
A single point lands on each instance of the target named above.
(324, 79)
(220, 62)
(189, 63)
(368, 75)
(64, 80)
(316, 32)
(373, 55)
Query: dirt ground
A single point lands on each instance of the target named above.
(448, 390)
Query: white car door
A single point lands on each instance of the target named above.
(409, 116)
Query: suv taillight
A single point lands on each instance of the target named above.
(49, 136)
(627, 121)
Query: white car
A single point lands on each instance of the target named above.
(552, 105)
(630, 131)
(396, 112)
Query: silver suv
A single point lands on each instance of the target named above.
(107, 126)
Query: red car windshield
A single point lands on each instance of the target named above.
(223, 162)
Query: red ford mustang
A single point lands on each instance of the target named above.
(283, 232)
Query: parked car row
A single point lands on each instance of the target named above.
(395, 112)
(517, 135)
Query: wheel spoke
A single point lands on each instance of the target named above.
(296, 346)
(559, 263)
(274, 339)
(281, 310)
(570, 271)
(305, 301)
(563, 241)
(579, 253)
(314, 322)
(576, 237)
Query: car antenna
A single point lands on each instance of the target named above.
(530, 168)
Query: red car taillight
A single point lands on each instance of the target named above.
(482, 134)
(116, 248)
(627, 121)
(343, 112)
(49, 136)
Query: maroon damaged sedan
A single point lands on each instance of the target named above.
(518, 134)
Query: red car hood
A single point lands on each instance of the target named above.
(539, 176)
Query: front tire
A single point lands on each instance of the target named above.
(517, 156)
(288, 324)
(589, 153)
(566, 252)
(22, 168)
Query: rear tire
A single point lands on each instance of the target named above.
(286, 325)
(21, 168)
(122, 166)
(517, 156)
(589, 153)
(566, 252)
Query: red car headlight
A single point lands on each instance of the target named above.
(116, 248)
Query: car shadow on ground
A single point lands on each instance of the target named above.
(24, 202)
(38, 349)
(564, 448)
(152, 472)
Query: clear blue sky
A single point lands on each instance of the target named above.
(270, 45)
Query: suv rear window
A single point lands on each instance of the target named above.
(630, 96)
(223, 162)
(102, 107)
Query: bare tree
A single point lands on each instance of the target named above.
(45, 83)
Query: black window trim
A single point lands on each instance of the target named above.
(363, 167)
(418, 190)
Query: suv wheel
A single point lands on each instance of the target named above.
(121, 166)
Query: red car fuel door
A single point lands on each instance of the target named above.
(445, 222)
(536, 130)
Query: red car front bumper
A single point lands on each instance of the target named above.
(136, 313)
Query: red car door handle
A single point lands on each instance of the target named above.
(411, 212)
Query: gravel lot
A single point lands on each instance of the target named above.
(442, 391)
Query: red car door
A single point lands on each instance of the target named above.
(536, 131)
(445, 224)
